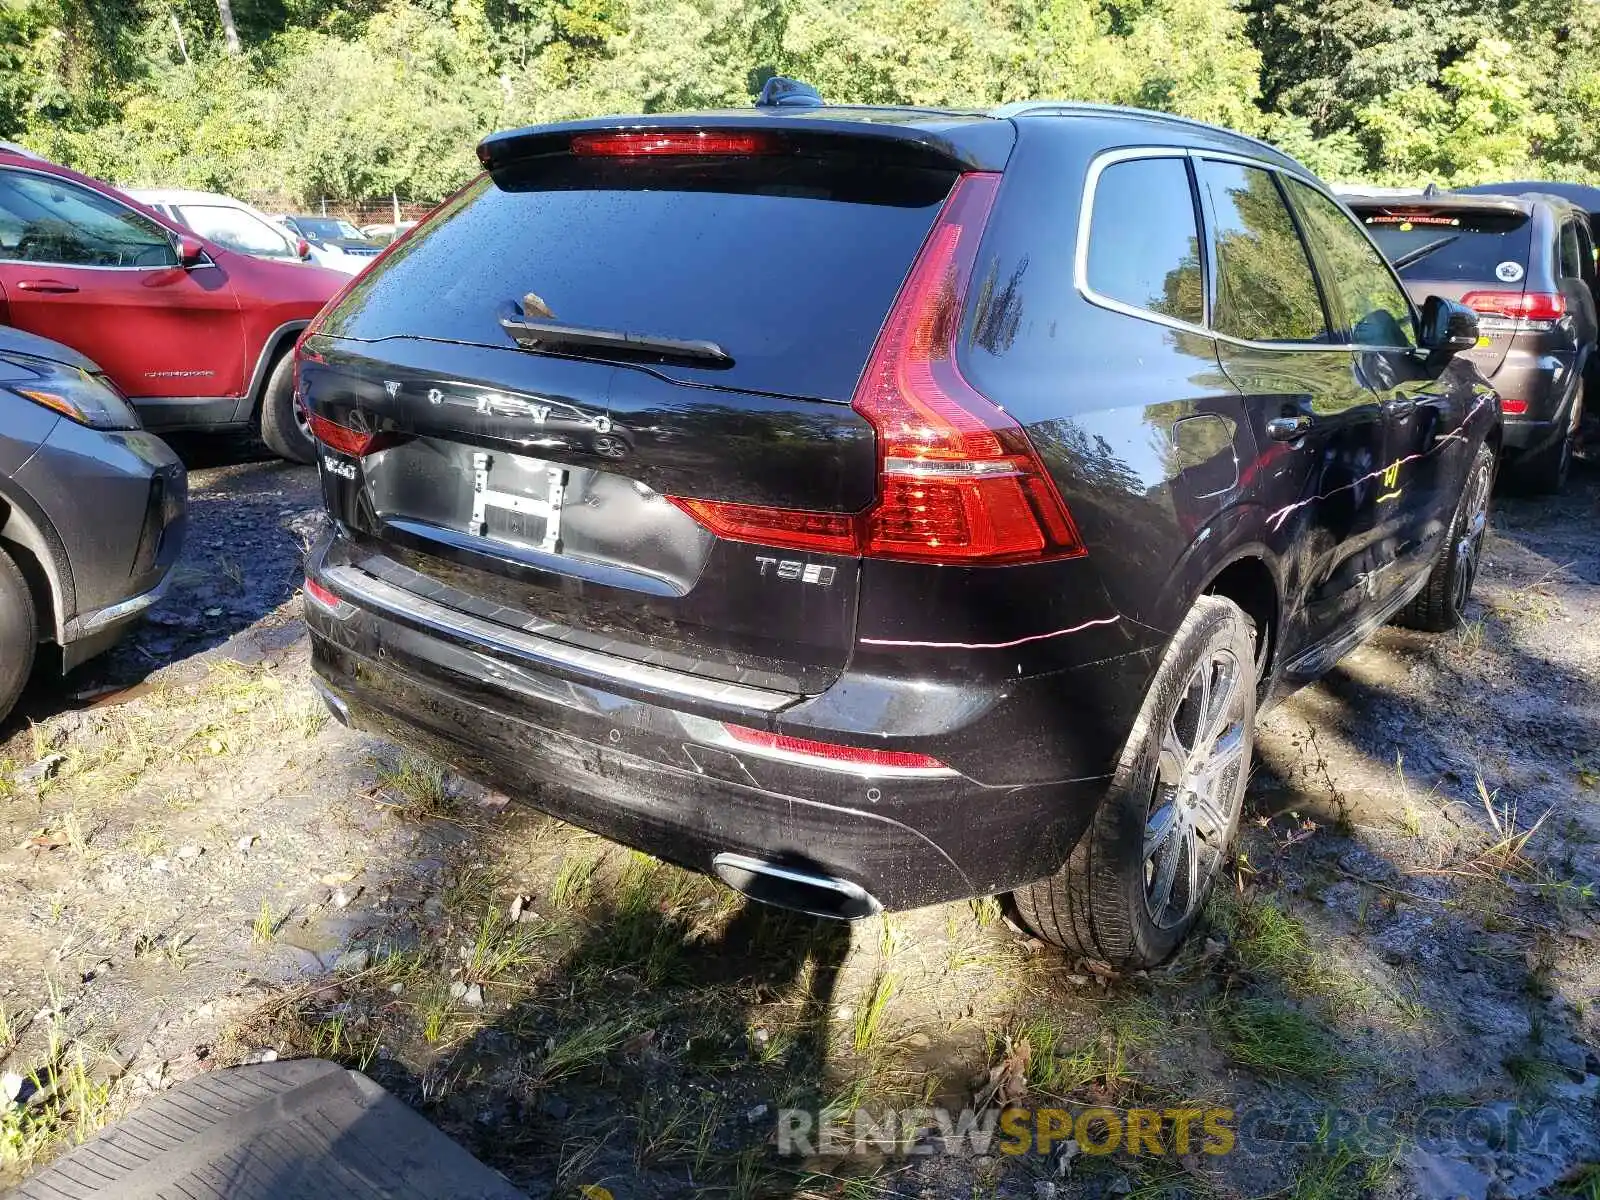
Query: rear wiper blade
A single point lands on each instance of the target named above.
(1421, 252)
(557, 337)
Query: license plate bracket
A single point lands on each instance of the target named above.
(516, 517)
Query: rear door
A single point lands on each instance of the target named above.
(575, 485)
(86, 270)
(1423, 464)
(1306, 395)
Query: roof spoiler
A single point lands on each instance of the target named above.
(806, 132)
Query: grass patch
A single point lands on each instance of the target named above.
(415, 789)
(70, 1103)
(574, 883)
(1276, 1038)
(264, 930)
(870, 1013)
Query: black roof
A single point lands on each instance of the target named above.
(1583, 195)
(971, 139)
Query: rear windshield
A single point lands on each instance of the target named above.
(1450, 245)
(789, 265)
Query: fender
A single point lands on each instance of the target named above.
(23, 524)
(267, 357)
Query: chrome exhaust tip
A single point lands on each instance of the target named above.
(336, 706)
(794, 887)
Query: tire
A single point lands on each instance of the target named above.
(1442, 603)
(19, 633)
(282, 423)
(1545, 471)
(1106, 902)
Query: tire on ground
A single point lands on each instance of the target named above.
(1095, 906)
(1442, 603)
(279, 429)
(19, 633)
(1544, 472)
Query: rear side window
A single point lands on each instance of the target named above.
(1356, 275)
(788, 264)
(1144, 246)
(1451, 245)
(1265, 289)
(1571, 257)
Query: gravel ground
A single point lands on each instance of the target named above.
(197, 868)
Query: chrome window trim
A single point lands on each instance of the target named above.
(73, 183)
(594, 666)
(1080, 265)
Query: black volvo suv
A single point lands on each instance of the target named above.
(881, 506)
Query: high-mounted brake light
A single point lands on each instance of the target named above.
(958, 481)
(781, 744)
(670, 142)
(344, 439)
(1527, 306)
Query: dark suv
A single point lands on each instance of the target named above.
(881, 506)
(1526, 265)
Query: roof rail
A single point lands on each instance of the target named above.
(1067, 108)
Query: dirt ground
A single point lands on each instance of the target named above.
(1396, 993)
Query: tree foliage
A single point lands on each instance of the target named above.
(364, 98)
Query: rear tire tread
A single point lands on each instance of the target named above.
(1082, 908)
(19, 633)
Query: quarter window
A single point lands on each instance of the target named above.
(47, 220)
(1144, 246)
(1360, 281)
(1265, 289)
(1571, 258)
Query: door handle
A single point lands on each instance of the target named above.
(1287, 429)
(53, 287)
(1399, 406)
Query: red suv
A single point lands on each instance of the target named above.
(197, 335)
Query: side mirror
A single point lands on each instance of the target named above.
(191, 251)
(1448, 327)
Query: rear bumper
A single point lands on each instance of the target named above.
(1546, 383)
(662, 779)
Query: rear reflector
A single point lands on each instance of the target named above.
(1529, 306)
(958, 481)
(321, 594)
(344, 440)
(1513, 408)
(670, 142)
(793, 747)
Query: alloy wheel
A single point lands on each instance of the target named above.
(1199, 785)
(1469, 547)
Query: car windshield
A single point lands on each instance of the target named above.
(327, 227)
(237, 230)
(1451, 243)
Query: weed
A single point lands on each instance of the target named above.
(869, 1014)
(266, 926)
(582, 1047)
(499, 949)
(1582, 1182)
(1470, 637)
(8, 1032)
(574, 881)
(986, 911)
(1530, 1072)
(1273, 1037)
(416, 789)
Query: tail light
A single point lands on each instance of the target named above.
(320, 594)
(1513, 408)
(671, 143)
(829, 754)
(1525, 310)
(345, 440)
(958, 482)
